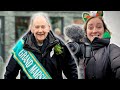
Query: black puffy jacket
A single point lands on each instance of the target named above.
(54, 65)
(104, 62)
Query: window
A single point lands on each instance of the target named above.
(77, 20)
(57, 22)
(2, 37)
(21, 26)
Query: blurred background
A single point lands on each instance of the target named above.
(13, 24)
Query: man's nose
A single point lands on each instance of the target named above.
(40, 29)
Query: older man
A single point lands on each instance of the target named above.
(40, 55)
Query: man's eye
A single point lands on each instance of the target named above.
(43, 27)
(37, 26)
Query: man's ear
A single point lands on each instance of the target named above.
(99, 13)
(85, 16)
(30, 28)
(49, 27)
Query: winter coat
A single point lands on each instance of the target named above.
(104, 62)
(54, 64)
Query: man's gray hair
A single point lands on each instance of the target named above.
(45, 15)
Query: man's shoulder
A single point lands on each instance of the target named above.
(61, 41)
(19, 44)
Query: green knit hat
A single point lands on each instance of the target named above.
(106, 35)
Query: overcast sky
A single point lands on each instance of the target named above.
(112, 20)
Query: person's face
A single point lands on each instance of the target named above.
(40, 28)
(58, 32)
(94, 29)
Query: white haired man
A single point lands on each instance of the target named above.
(40, 55)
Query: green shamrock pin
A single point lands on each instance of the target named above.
(58, 49)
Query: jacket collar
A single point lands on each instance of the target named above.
(98, 43)
(31, 44)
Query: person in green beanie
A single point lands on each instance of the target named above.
(102, 58)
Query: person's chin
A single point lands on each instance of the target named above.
(40, 39)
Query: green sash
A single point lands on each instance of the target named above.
(29, 63)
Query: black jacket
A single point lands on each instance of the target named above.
(104, 62)
(54, 65)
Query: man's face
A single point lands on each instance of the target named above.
(40, 28)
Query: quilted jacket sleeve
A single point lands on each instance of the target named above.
(115, 60)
